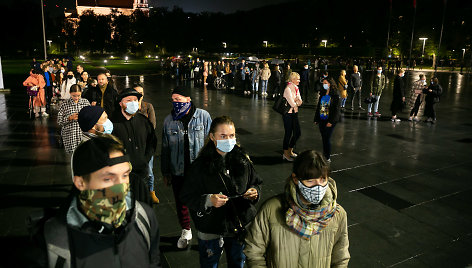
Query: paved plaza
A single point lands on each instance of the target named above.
(407, 187)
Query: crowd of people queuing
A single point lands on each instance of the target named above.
(111, 139)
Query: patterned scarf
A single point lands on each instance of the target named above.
(306, 222)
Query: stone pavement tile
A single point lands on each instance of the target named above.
(452, 254)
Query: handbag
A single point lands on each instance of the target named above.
(281, 105)
(239, 231)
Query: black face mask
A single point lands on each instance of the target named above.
(70, 76)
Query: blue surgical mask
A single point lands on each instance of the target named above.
(326, 86)
(107, 127)
(379, 71)
(132, 107)
(313, 194)
(225, 145)
(402, 75)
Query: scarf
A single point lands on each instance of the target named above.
(307, 222)
(180, 109)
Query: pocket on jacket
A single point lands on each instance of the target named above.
(173, 136)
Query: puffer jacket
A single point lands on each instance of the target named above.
(271, 243)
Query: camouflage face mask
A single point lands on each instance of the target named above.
(106, 205)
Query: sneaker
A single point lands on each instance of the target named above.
(352, 108)
(328, 160)
(36, 115)
(44, 114)
(377, 114)
(185, 238)
(416, 119)
(369, 114)
(410, 119)
(362, 109)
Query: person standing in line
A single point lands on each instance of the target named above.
(66, 84)
(291, 123)
(342, 87)
(276, 81)
(49, 79)
(379, 82)
(327, 114)
(103, 95)
(417, 97)
(183, 135)
(147, 109)
(356, 84)
(265, 75)
(68, 116)
(398, 95)
(221, 191)
(255, 77)
(287, 73)
(303, 227)
(305, 82)
(205, 72)
(433, 94)
(39, 101)
(94, 122)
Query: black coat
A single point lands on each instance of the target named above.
(398, 94)
(109, 98)
(334, 106)
(138, 137)
(433, 97)
(205, 177)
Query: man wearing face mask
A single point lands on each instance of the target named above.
(93, 121)
(138, 136)
(183, 135)
(221, 191)
(101, 225)
(305, 225)
(379, 81)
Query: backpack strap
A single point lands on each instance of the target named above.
(142, 220)
(57, 243)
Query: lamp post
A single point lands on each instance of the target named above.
(424, 41)
(44, 31)
(324, 41)
(265, 43)
(224, 45)
(463, 53)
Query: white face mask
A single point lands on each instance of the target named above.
(313, 194)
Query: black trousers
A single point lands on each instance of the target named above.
(416, 107)
(326, 133)
(429, 110)
(48, 93)
(292, 130)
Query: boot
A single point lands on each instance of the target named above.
(154, 198)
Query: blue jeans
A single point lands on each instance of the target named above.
(255, 86)
(210, 252)
(264, 86)
(151, 174)
(376, 105)
(343, 102)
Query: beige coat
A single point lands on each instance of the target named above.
(270, 242)
(293, 98)
(342, 82)
(265, 74)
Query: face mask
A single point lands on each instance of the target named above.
(106, 205)
(63, 71)
(379, 71)
(51, 69)
(132, 107)
(313, 194)
(306, 67)
(325, 76)
(107, 127)
(180, 109)
(325, 86)
(225, 145)
(402, 75)
(432, 83)
(70, 76)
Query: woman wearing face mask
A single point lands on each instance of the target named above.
(327, 114)
(68, 116)
(303, 226)
(398, 95)
(221, 190)
(68, 81)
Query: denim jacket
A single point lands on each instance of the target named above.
(172, 153)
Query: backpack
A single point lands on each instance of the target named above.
(57, 242)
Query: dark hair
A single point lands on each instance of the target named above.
(435, 80)
(310, 165)
(75, 88)
(138, 84)
(421, 76)
(209, 145)
(324, 72)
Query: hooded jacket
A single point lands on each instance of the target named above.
(271, 243)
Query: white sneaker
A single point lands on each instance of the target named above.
(36, 115)
(44, 114)
(185, 238)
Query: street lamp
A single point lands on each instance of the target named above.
(126, 58)
(224, 44)
(324, 41)
(463, 53)
(424, 41)
(265, 43)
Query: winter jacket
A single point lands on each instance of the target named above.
(271, 243)
(265, 74)
(256, 75)
(83, 243)
(378, 84)
(206, 176)
(172, 153)
(109, 98)
(398, 94)
(433, 97)
(37, 80)
(342, 82)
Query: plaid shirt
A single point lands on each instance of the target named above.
(70, 132)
